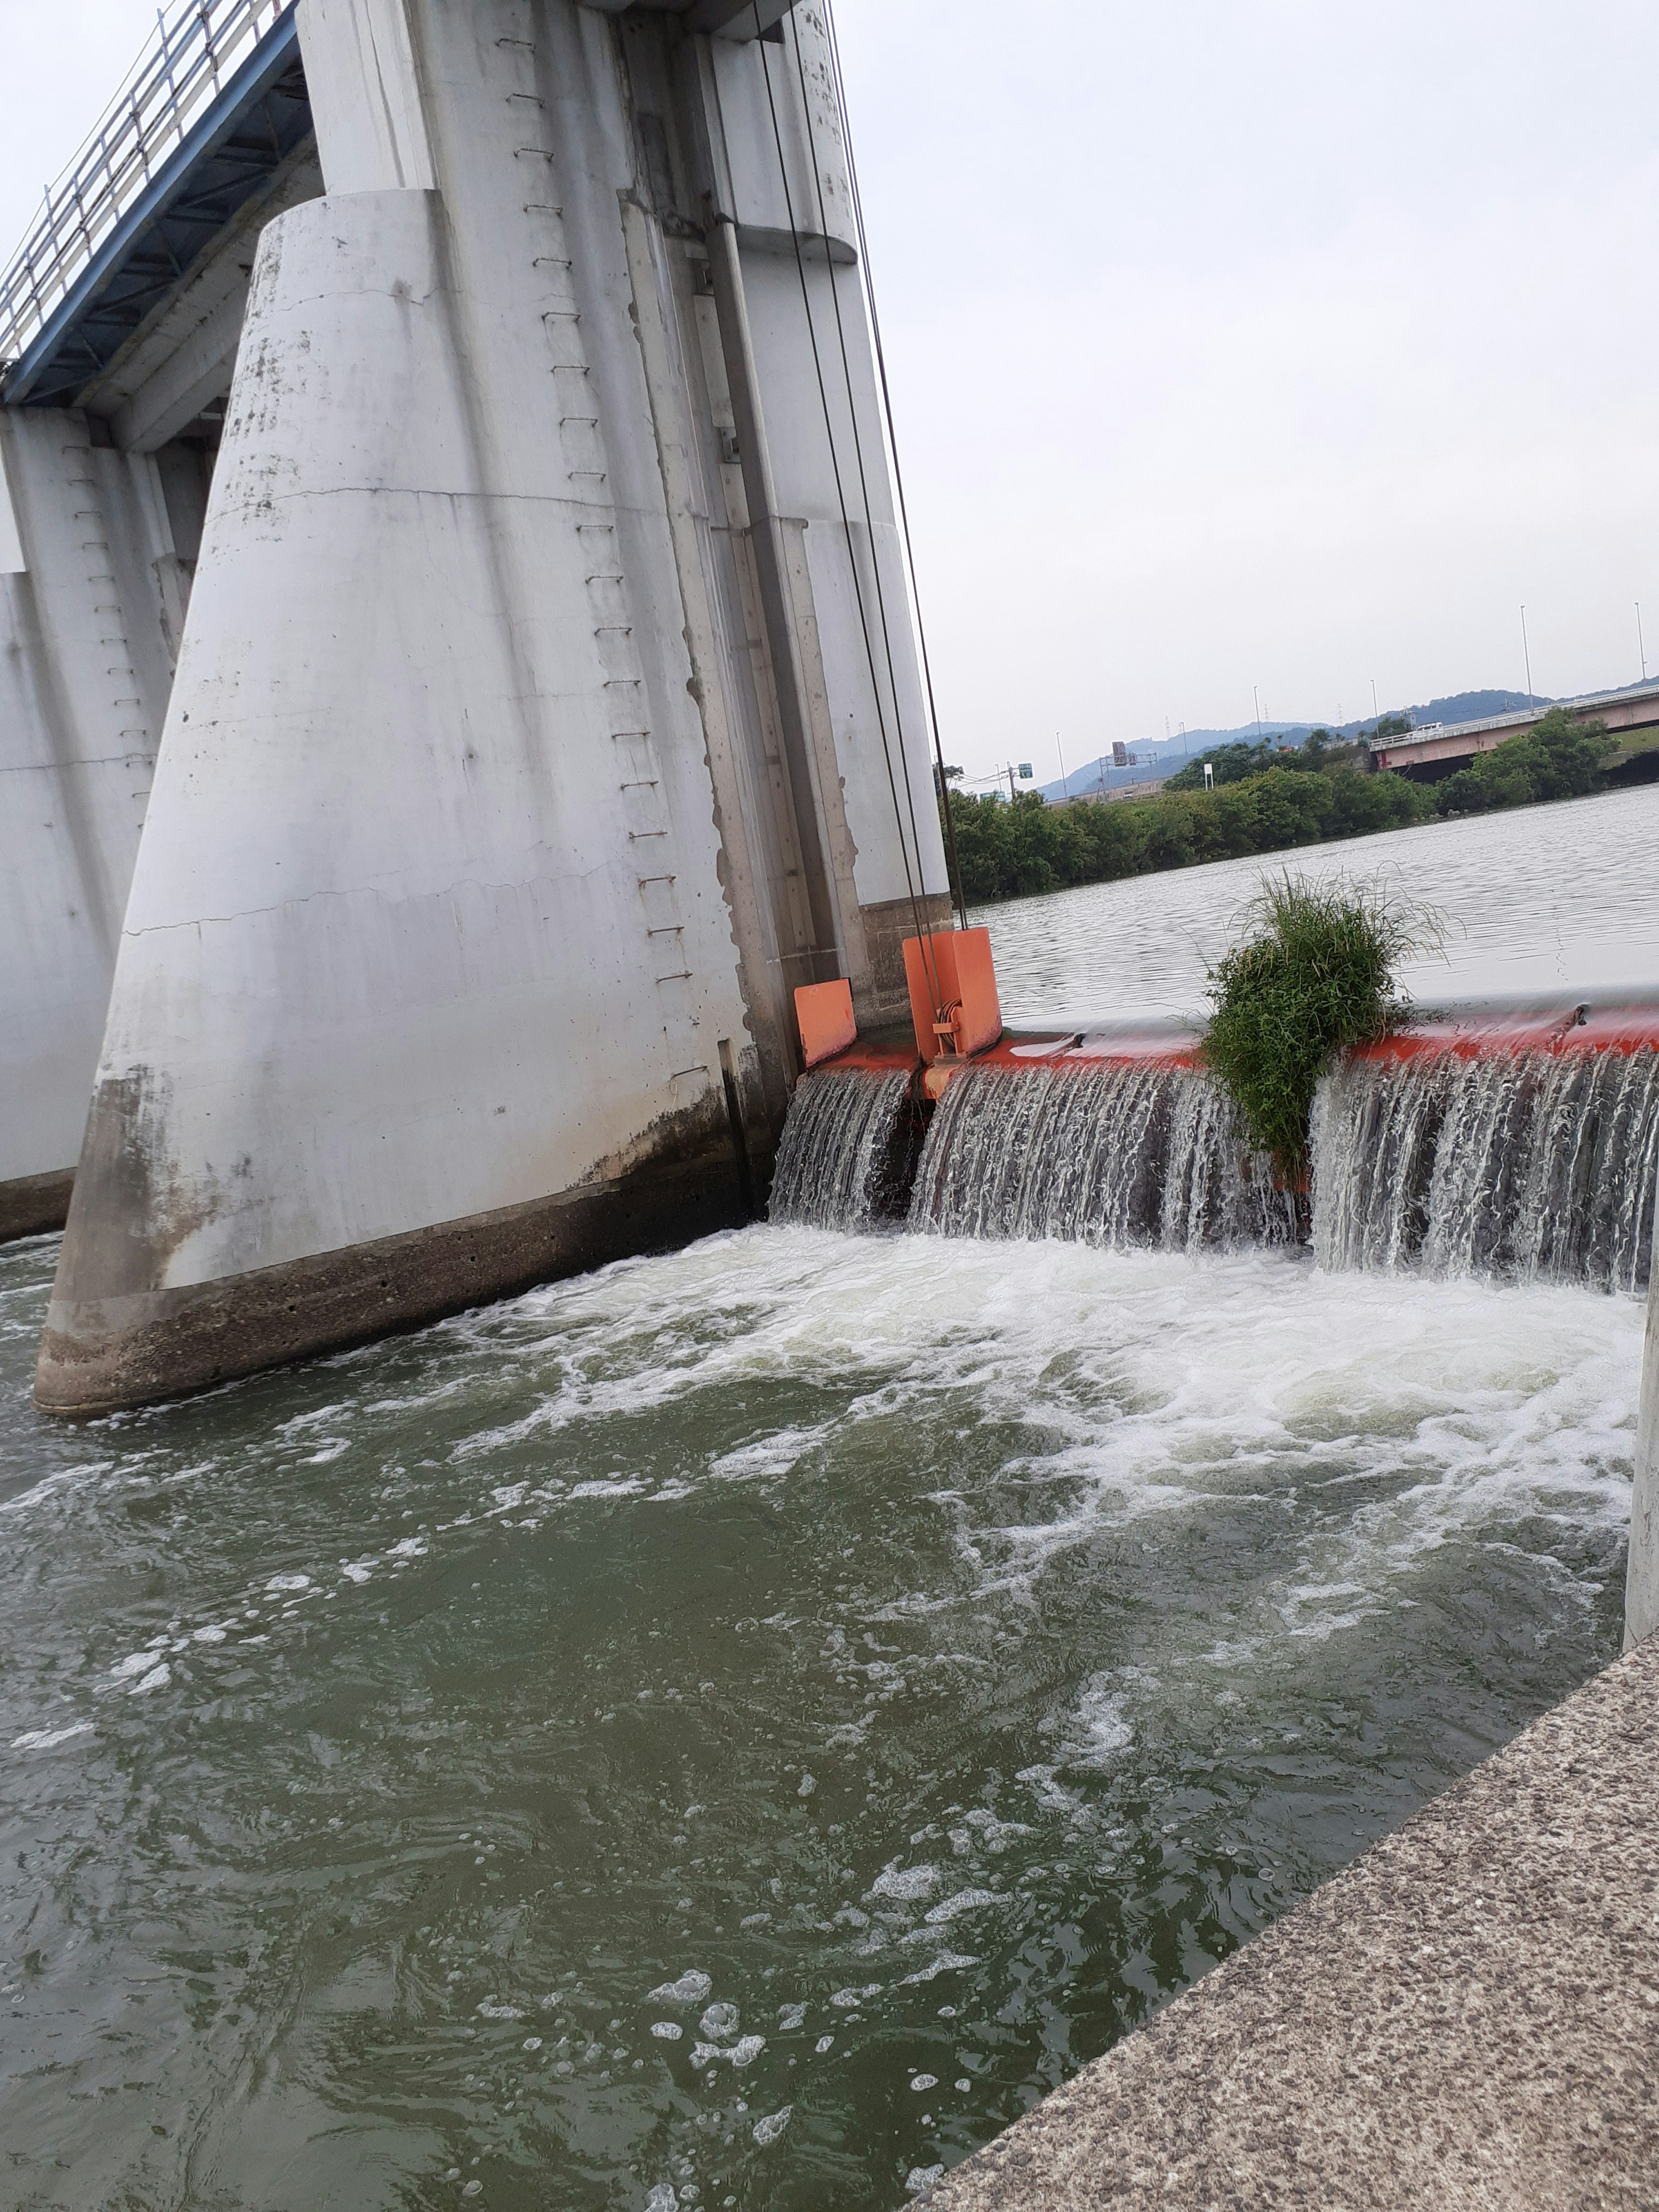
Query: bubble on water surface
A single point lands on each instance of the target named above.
(965, 1900)
(947, 1962)
(905, 1883)
(667, 2030)
(720, 2021)
(824, 2043)
(692, 1987)
(924, 2080)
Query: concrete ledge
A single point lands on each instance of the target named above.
(1466, 2017)
(99, 1355)
(30, 1205)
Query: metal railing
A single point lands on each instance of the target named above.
(198, 43)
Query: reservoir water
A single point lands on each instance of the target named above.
(732, 1731)
(1542, 901)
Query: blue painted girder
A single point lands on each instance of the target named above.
(259, 116)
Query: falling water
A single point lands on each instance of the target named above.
(1116, 1154)
(1532, 1166)
(843, 1163)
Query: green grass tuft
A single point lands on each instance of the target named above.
(1314, 975)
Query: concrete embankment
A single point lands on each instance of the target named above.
(1468, 2016)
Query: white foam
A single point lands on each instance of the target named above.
(49, 1739)
(692, 1987)
(947, 1962)
(965, 1900)
(768, 2131)
(906, 1882)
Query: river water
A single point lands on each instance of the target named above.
(1539, 901)
(732, 1731)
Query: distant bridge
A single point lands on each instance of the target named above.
(1432, 753)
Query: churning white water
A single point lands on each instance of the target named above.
(834, 1166)
(1528, 1166)
(1108, 1155)
(1532, 1166)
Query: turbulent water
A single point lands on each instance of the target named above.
(1108, 1155)
(744, 1724)
(732, 1731)
(1534, 1166)
(834, 1166)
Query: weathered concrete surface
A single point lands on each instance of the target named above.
(92, 599)
(499, 807)
(1641, 1566)
(1468, 2016)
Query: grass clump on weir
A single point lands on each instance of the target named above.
(1314, 977)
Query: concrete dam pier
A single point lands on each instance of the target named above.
(544, 710)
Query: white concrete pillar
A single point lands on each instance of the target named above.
(472, 864)
(92, 599)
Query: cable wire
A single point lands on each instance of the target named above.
(869, 287)
(924, 935)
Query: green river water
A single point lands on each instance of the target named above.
(734, 1730)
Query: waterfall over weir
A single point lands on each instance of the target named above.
(846, 1154)
(1523, 1149)
(1530, 1165)
(1113, 1153)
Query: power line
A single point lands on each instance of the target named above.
(923, 934)
(868, 287)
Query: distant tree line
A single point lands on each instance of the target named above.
(1264, 801)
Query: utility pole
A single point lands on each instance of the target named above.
(1640, 648)
(1527, 654)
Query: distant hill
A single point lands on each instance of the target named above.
(1157, 756)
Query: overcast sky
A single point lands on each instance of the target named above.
(1274, 345)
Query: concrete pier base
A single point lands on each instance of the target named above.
(1467, 2017)
(32, 1205)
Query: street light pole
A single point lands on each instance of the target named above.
(1640, 648)
(1527, 653)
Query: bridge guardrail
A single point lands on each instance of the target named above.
(196, 44)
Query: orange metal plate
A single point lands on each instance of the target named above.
(961, 959)
(824, 1013)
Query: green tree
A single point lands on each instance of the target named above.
(1559, 757)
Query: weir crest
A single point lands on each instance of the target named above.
(1531, 1165)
